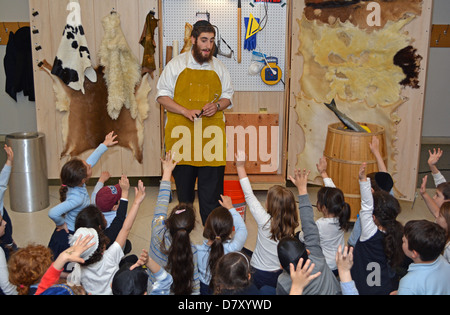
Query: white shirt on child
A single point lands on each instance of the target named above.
(97, 278)
(265, 255)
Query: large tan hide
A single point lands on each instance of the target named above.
(365, 68)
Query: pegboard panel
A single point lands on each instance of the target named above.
(271, 41)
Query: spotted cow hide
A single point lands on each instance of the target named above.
(73, 61)
(87, 121)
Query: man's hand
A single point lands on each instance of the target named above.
(210, 109)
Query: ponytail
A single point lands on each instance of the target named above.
(333, 200)
(218, 229)
(344, 217)
(386, 209)
(393, 243)
(180, 259)
(180, 262)
(62, 193)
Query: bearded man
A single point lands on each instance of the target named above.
(194, 89)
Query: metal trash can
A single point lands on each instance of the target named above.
(28, 183)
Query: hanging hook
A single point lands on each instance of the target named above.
(437, 40)
(446, 30)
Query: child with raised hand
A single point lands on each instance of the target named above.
(278, 221)
(170, 245)
(301, 276)
(6, 288)
(326, 284)
(100, 265)
(93, 217)
(441, 195)
(442, 186)
(378, 251)
(72, 254)
(6, 240)
(217, 231)
(106, 198)
(74, 195)
(344, 262)
(132, 280)
(433, 159)
(336, 216)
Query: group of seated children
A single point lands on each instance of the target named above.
(86, 253)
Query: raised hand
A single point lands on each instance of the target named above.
(110, 139)
(300, 180)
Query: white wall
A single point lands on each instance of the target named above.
(21, 116)
(436, 120)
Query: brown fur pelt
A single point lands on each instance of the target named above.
(87, 121)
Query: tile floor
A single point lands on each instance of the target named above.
(37, 227)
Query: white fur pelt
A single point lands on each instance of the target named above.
(122, 69)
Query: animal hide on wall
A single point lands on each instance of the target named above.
(122, 69)
(148, 42)
(86, 120)
(365, 68)
(73, 60)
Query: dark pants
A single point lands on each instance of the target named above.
(209, 185)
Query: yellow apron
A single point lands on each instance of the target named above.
(202, 142)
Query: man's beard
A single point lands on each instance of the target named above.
(198, 56)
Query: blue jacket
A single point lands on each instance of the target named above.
(77, 198)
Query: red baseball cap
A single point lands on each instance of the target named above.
(107, 197)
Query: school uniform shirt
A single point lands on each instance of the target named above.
(234, 245)
(369, 258)
(160, 232)
(438, 178)
(97, 278)
(5, 286)
(265, 255)
(77, 198)
(326, 283)
(331, 236)
(4, 179)
(426, 279)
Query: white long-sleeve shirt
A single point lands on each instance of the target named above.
(5, 285)
(265, 255)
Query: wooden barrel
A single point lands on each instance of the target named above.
(345, 152)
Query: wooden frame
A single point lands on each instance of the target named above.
(409, 127)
